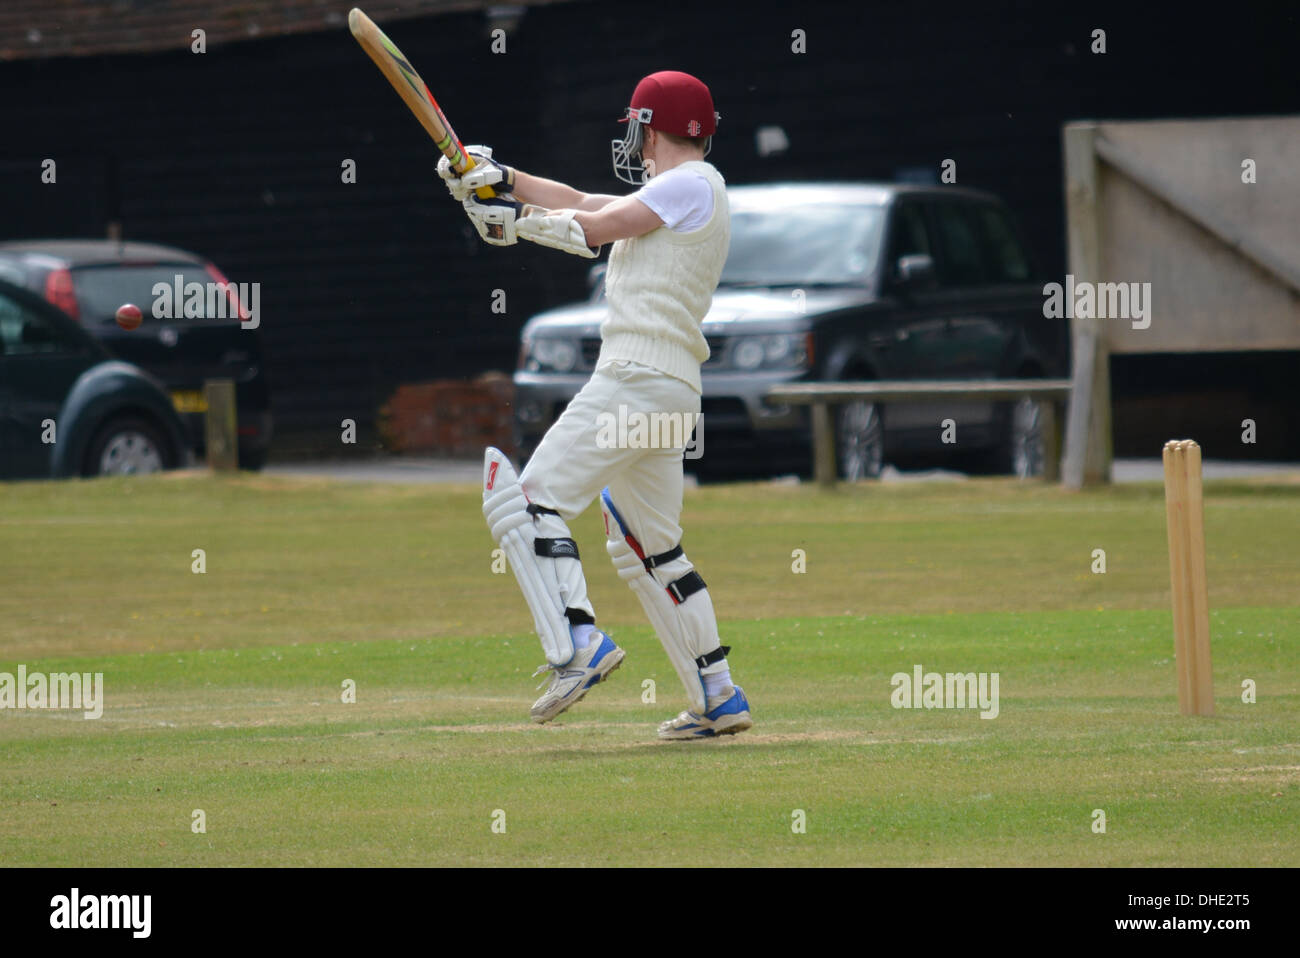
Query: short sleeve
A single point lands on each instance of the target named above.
(683, 199)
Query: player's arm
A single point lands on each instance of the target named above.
(524, 187)
(500, 221)
(624, 218)
(503, 219)
(557, 196)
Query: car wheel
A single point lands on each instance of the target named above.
(859, 440)
(126, 446)
(1024, 452)
(253, 459)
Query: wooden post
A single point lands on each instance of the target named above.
(1051, 440)
(1202, 674)
(823, 445)
(221, 437)
(1088, 430)
(1187, 582)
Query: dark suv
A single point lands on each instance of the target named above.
(841, 282)
(90, 279)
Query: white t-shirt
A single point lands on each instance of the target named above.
(682, 198)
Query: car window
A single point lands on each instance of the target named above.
(963, 264)
(24, 332)
(908, 237)
(794, 245)
(101, 290)
(1007, 262)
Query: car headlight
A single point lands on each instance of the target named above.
(550, 355)
(748, 353)
(776, 351)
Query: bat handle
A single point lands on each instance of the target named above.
(483, 192)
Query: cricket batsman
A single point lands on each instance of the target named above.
(670, 240)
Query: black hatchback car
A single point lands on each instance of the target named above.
(90, 279)
(842, 282)
(67, 408)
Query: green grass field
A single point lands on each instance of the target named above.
(223, 690)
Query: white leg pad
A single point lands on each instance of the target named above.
(505, 507)
(686, 626)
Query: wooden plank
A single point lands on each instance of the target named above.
(1198, 211)
(921, 390)
(221, 437)
(1052, 394)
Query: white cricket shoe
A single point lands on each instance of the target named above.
(727, 714)
(570, 682)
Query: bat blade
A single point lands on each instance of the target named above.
(413, 90)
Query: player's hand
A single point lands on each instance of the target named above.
(494, 219)
(487, 172)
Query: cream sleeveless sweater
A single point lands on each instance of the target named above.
(660, 286)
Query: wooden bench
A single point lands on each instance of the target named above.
(1050, 393)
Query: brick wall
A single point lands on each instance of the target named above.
(449, 417)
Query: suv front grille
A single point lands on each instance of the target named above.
(717, 346)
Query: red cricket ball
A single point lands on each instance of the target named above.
(129, 316)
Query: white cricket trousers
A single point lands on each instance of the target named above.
(574, 461)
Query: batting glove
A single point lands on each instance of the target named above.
(487, 172)
(494, 219)
(555, 228)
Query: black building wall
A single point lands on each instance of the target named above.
(236, 153)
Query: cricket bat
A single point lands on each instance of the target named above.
(413, 91)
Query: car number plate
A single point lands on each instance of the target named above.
(189, 400)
